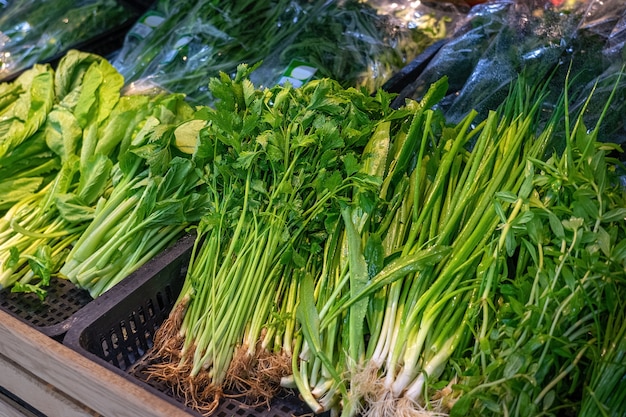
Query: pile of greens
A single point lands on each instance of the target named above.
(277, 164)
(38, 31)
(384, 261)
(197, 40)
(74, 154)
(357, 44)
(378, 260)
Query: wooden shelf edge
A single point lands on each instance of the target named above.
(75, 376)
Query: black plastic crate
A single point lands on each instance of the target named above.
(64, 303)
(52, 316)
(117, 331)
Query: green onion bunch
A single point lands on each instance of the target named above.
(278, 162)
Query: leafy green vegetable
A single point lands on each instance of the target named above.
(543, 333)
(149, 204)
(198, 40)
(348, 41)
(25, 161)
(93, 153)
(277, 163)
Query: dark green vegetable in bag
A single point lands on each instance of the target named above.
(196, 41)
(356, 44)
(37, 31)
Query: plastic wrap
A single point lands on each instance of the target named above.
(500, 40)
(179, 46)
(38, 31)
(196, 40)
(360, 44)
(599, 55)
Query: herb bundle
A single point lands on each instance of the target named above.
(277, 163)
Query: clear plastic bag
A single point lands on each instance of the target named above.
(359, 43)
(196, 40)
(350, 41)
(37, 31)
(500, 40)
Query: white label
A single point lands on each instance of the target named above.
(146, 25)
(297, 74)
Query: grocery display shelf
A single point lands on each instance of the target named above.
(54, 380)
(58, 381)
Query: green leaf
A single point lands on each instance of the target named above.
(86, 107)
(29, 288)
(604, 241)
(73, 209)
(485, 345)
(506, 196)
(436, 92)
(374, 253)
(156, 155)
(358, 270)
(13, 190)
(27, 111)
(109, 91)
(462, 406)
(307, 314)
(584, 141)
(548, 399)
(585, 207)
(245, 160)
(71, 70)
(500, 211)
(556, 226)
(95, 177)
(569, 277)
(322, 100)
(62, 132)
(524, 218)
(534, 227)
(614, 215)
(122, 123)
(14, 257)
(515, 362)
(510, 243)
(186, 136)
(526, 406)
(377, 150)
(41, 263)
(351, 164)
(619, 252)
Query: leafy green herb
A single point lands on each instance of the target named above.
(559, 284)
